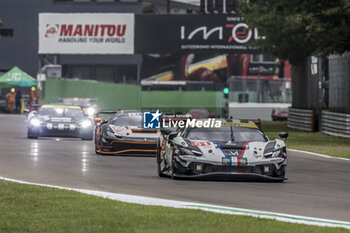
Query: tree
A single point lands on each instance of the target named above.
(295, 29)
(328, 21)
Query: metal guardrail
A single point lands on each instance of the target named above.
(301, 119)
(336, 124)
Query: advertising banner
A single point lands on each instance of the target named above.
(193, 33)
(268, 69)
(86, 33)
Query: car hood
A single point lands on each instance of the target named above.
(134, 131)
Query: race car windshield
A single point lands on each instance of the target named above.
(74, 113)
(240, 134)
(135, 120)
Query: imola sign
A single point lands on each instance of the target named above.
(240, 33)
(193, 33)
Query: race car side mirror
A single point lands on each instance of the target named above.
(97, 120)
(165, 131)
(283, 135)
(26, 112)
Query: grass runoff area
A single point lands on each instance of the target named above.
(28, 208)
(314, 142)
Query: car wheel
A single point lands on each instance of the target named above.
(173, 169)
(88, 138)
(281, 173)
(31, 136)
(160, 174)
(97, 151)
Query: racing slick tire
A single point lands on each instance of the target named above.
(160, 174)
(31, 135)
(97, 151)
(87, 137)
(281, 173)
(173, 169)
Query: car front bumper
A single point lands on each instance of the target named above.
(129, 146)
(234, 176)
(199, 170)
(41, 131)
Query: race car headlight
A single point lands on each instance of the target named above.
(186, 151)
(35, 122)
(91, 111)
(276, 153)
(110, 133)
(86, 124)
(281, 152)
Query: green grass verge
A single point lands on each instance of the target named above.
(314, 142)
(27, 208)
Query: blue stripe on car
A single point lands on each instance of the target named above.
(226, 155)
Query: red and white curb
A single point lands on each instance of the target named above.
(200, 206)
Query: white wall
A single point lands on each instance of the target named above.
(260, 111)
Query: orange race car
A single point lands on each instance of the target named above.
(124, 134)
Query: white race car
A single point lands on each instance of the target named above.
(238, 150)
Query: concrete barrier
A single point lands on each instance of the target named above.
(260, 111)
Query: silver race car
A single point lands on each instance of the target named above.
(237, 150)
(58, 120)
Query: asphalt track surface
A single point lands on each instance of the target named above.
(317, 187)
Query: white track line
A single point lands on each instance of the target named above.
(317, 154)
(191, 205)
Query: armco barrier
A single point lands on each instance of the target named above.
(301, 119)
(336, 124)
